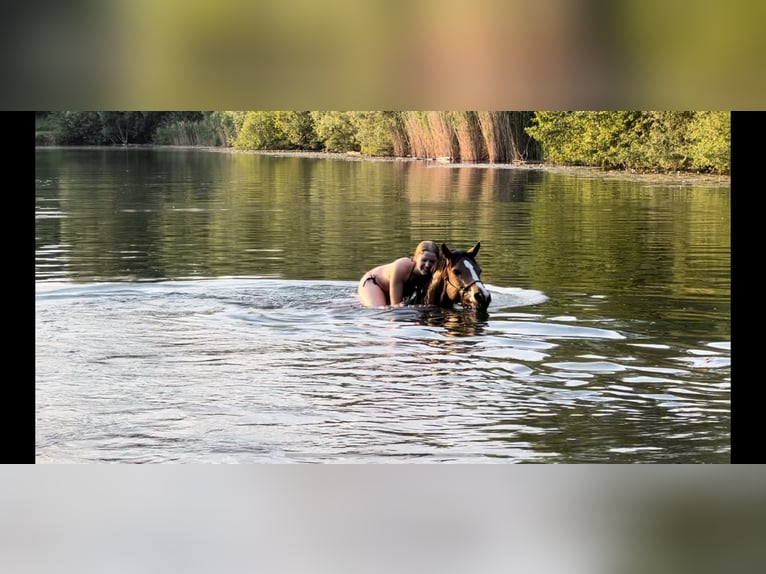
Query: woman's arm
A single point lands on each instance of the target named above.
(400, 271)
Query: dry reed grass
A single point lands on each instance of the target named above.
(470, 136)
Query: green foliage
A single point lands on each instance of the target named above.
(585, 138)
(122, 127)
(298, 129)
(337, 130)
(77, 128)
(139, 127)
(231, 124)
(42, 121)
(259, 131)
(664, 142)
(375, 132)
(650, 140)
(115, 127)
(273, 130)
(44, 134)
(710, 141)
(637, 140)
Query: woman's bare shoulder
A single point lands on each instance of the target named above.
(403, 265)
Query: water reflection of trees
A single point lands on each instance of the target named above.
(151, 214)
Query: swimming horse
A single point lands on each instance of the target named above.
(457, 279)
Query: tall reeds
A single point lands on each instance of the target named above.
(399, 136)
(471, 145)
(506, 138)
(190, 133)
(496, 137)
(418, 134)
(431, 134)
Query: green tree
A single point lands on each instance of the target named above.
(336, 130)
(139, 127)
(261, 131)
(663, 141)
(587, 138)
(646, 140)
(298, 129)
(375, 131)
(710, 141)
(120, 127)
(76, 128)
(231, 123)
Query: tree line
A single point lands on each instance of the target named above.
(661, 141)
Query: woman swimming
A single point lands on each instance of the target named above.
(401, 282)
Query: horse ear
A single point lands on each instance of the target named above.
(445, 251)
(474, 251)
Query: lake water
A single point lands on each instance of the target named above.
(198, 306)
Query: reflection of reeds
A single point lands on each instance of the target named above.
(497, 137)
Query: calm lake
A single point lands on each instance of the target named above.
(200, 306)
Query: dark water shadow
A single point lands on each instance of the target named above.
(455, 322)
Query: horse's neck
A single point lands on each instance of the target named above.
(438, 295)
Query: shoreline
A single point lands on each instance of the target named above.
(671, 178)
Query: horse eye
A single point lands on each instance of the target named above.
(458, 271)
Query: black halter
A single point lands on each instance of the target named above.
(465, 288)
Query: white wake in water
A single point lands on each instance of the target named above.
(514, 297)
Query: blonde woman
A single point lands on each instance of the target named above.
(400, 282)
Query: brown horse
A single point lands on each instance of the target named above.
(457, 279)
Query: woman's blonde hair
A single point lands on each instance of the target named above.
(427, 246)
(423, 288)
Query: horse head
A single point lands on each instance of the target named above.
(463, 278)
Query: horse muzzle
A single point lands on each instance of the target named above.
(477, 297)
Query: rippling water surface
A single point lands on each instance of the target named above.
(201, 307)
(260, 370)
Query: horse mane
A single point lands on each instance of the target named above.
(435, 287)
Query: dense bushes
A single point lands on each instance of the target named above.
(709, 138)
(657, 141)
(370, 133)
(637, 140)
(103, 128)
(77, 128)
